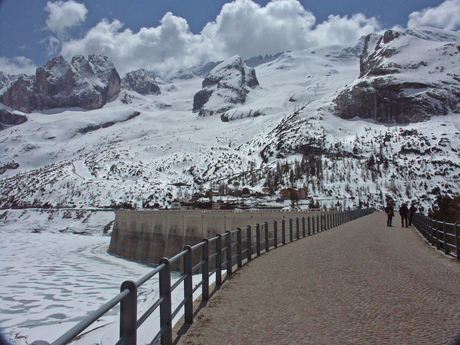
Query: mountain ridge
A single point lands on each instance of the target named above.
(297, 140)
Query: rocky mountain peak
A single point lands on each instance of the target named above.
(85, 83)
(141, 81)
(403, 78)
(225, 86)
(232, 72)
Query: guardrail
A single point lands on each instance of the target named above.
(444, 236)
(211, 256)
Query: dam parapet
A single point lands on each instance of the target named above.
(150, 235)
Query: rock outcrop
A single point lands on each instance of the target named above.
(85, 83)
(224, 87)
(8, 117)
(403, 78)
(141, 81)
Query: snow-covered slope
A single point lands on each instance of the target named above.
(226, 85)
(132, 153)
(406, 76)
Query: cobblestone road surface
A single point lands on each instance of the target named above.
(359, 283)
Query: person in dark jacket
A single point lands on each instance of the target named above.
(390, 213)
(412, 211)
(403, 212)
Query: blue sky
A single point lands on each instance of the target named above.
(165, 35)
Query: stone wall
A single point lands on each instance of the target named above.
(150, 235)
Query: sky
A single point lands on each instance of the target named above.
(165, 36)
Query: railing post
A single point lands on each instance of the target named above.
(219, 260)
(291, 237)
(283, 231)
(317, 224)
(275, 231)
(303, 227)
(433, 232)
(298, 227)
(267, 240)
(249, 241)
(457, 240)
(438, 244)
(444, 230)
(165, 306)
(239, 248)
(128, 312)
(188, 285)
(309, 228)
(228, 249)
(205, 270)
(258, 238)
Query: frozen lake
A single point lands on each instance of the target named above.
(52, 279)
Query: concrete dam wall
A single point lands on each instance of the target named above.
(150, 235)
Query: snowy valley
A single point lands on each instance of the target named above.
(139, 150)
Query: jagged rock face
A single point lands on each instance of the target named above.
(86, 83)
(142, 82)
(7, 117)
(403, 78)
(225, 86)
(17, 91)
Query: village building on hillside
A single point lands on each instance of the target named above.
(177, 205)
(291, 193)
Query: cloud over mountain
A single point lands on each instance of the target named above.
(241, 28)
(445, 16)
(63, 15)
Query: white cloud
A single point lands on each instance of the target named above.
(63, 15)
(51, 44)
(17, 65)
(242, 27)
(445, 16)
(245, 28)
(343, 29)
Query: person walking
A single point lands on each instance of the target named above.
(403, 211)
(390, 213)
(412, 211)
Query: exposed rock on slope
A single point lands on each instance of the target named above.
(8, 117)
(142, 82)
(86, 83)
(404, 78)
(225, 86)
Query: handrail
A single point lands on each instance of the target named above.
(211, 262)
(442, 235)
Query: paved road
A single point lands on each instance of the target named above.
(360, 283)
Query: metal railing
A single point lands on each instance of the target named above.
(211, 256)
(444, 236)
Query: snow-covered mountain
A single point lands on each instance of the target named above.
(85, 83)
(300, 127)
(404, 77)
(225, 86)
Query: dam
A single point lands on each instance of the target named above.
(150, 235)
